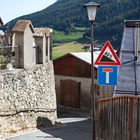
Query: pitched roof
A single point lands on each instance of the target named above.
(84, 56)
(42, 31)
(21, 25)
(132, 23)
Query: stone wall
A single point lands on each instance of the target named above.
(27, 98)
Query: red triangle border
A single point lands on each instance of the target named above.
(108, 45)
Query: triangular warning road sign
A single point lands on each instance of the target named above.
(108, 56)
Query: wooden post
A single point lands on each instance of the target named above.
(131, 116)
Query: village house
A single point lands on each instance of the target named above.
(73, 80)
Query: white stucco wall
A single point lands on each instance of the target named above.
(19, 42)
(28, 47)
(48, 48)
(39, 42)
(44, 49)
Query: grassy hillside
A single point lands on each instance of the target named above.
(67, 48)
(61, 37)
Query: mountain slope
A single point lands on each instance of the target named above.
(59, 15)
(66, 14)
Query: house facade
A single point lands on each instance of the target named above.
(73, 80)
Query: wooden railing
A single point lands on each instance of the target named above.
(119, 118)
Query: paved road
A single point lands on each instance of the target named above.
(74, 128)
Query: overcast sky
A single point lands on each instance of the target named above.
(10, 9)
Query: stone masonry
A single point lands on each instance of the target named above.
(27, 98)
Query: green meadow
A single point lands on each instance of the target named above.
(67, 48)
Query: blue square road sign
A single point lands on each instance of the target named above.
(107, 75)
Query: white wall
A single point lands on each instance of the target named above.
(44, 49)
(48, 48)
(19, 52)
(28, 47)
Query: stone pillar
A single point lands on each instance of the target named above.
(13, 40)
(48, 46)
(44, 50)
(34, 54)
(15, 57)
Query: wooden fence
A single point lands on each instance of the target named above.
(119, 118)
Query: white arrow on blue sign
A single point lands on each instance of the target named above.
(107, 75)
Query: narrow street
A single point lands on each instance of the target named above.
(74, 127)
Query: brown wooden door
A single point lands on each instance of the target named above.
(70, 93)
